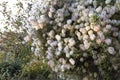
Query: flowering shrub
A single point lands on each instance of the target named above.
(80, 36)
(77, 34)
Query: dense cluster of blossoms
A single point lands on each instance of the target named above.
(70, 31)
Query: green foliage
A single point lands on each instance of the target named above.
(35, 69)
(95, 19)
(9, 69)
(18, 61)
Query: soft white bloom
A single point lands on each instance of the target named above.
(51, 63)
(83, 30)
(77, 26)
(49, 41)
(108, 26)
(85, 37)
(91, 13)
(85, 55)
(112, 10)
(32, 49)
(78, 35)
(66, 40)
(50, 14)
(85, 12)
(105, 30)
(67, 55)
(60, 12)
(115, 34)
(72, 61)
(92, 37)
(57, 52)
(101, 35)
(107, 1)
(90, 32)
(67, 66)
(36, 52)
(63, 31)
(108, 41)
(96, 28)
(51, 33)
(71, 42)
(66, 49)
(95, 3)
(27, 38)
(99, 9)
(87, 28)
(60, 24)
(86, 44)
(85, 78)
(80, 7)
(111, 50)
(74, 16)
(71, 52)
(60, 48)
(98, 41)
(82, 47)
(63, 68)
(58, 37)
(90, 1)
(103, 14)
(62, 60)
(81, 59)
(54, 43)
(42, 19)
(82, 18)
(56, 68)
(35, 25)
(60, 43)
(52, 9)
(69, 21)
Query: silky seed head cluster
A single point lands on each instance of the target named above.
(72, 29)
